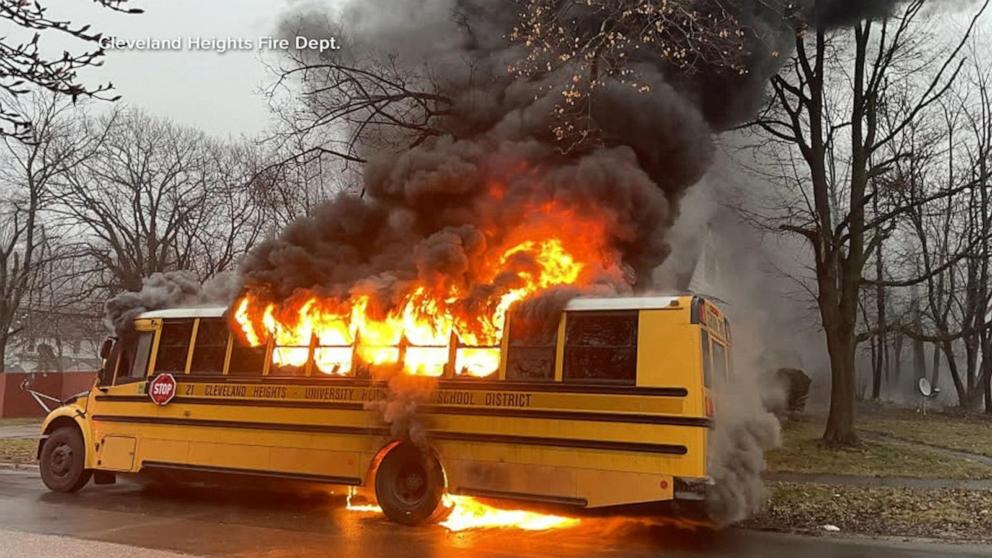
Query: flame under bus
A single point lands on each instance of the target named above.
(608, 406)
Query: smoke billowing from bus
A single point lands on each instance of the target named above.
(471, 213)
(167, 290)
(493, 166)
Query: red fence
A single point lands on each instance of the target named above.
(14, 402)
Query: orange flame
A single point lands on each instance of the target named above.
(437, 327)
(468, 513)
(363, 508)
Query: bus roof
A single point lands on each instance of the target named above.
(599, 303)
(186, 312)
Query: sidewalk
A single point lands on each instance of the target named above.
(18, 431)
(17, 543)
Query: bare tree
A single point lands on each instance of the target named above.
(154, 196)
(344, 104)
(28, 170)
(598, 39)
(948, 242)
(842, 145)
(24, 66)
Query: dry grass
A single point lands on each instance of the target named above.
(18, 450)
(970, 433)
(802, 452)
(948, 514)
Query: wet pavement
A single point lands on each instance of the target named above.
(241, 522)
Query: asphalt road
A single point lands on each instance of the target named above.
(245, 522)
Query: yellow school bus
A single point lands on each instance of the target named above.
(609, 406)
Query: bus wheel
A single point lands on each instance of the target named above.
(409, 485)
(63, 461)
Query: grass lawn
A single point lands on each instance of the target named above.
(18, 450)
(938, 513)
(969, 433)
(802, 452)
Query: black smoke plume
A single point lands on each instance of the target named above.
(493, 161)
(425, 209)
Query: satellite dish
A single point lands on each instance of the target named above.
(925, 388)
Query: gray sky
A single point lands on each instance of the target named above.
(216, 92)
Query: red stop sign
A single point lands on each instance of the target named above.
(162, 388)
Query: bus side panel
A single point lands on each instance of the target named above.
(213, 437)
(595, 484)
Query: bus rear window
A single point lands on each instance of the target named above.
(173, 346)
(720, 360)
(601, 347)
(531, 350)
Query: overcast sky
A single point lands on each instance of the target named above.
(219, 93)
(215, 92)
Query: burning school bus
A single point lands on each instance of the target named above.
(609, 406)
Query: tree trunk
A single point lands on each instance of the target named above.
(935, 377)
(881, 364)
(896, 363)
(876, 370)
(988, 394)
(919, 359)
(952, 367)
(840, 422)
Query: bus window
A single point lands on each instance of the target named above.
(601, 347)
(133, 364)
(245, 359)
(210, 348)
(289, 360)
(173, 346)
(143, 349)
(707, 360)
(531, 351)
(720, 360)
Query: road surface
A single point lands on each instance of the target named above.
(111, 520)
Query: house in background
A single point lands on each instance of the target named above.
(55, 341)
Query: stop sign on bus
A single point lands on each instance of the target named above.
(162, 388)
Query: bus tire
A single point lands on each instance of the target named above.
(409, 485)
(63, 460)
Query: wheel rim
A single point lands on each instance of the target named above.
(410, 485)
(61, 460)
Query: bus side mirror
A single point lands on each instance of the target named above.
(106, 347)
